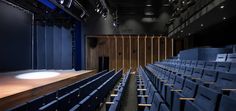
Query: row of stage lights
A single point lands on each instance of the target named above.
(101, 9)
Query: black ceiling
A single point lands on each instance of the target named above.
(135, 7)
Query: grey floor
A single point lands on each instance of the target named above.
(129, 101)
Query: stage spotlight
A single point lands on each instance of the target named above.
(61, 1)
(37, 75)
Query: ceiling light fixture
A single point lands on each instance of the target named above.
(222, 6)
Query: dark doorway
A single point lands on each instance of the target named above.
(103, 63)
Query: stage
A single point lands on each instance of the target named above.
(21, 86)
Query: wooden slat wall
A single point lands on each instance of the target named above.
(130, 51)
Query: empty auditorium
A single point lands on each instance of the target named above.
(117, 55)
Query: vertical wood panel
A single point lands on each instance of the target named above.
(119, 53)
(142, 50)
(155, 48)
(162, 48)
(126, 53)
(134, 53)
(148, 50)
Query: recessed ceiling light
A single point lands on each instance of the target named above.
(222, 6)
(224, 18)
(149, 5)
(202, 25)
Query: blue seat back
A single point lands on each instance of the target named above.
(206, 99)
(189, 89)
(178, 83)
(209, 75)
(231, 57)
(201, 64)
(227, 103)
(193, 63)
(225, 81)
(221, 57)
(197, 73)
(222, 66)
(210, 65)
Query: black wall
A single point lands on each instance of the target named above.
(128, 24)
(15, 38)
(218, 35)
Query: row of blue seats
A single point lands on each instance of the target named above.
(96, 97)
(35, 104)
(226, 57)
(148, 97)
(119, 91)
(218, 66)
(185, 93)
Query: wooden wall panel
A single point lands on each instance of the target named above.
(155, 49)
(141, 51)
(134, 55)
(126, 54)
(169, 48)
(129, 51)
(148, 50)
(162, 48)
(119, 53)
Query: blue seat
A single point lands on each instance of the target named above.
(221, 57)
(210, 65)
(209, 76)
(222, 66)
(231, 58)
(232, 68)
(74, 97)
(64, 102)
(224, 82)
(52, 106)
(197, 74)
(155, 104)
(188, 62)
(35, 104)
(163, 107)
(171, 80)
(188, 72)
(22, 107)
(50, 97)
(201, 64)
(194, 63)
(189, 91)
(75, 108)
(178, 85)
(181, 70)
(205, 100)
(227, 103)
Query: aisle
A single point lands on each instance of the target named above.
(129, 102)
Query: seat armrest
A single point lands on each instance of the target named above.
(196, 78)
(141, 89)
(145, 96)
(109, 102)
(145, 105)
(114, 95)
(168, 84)
(176, 90)
(208, 82)
(186, 99)
(227, 91)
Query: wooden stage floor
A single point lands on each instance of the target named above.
(14, 91)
